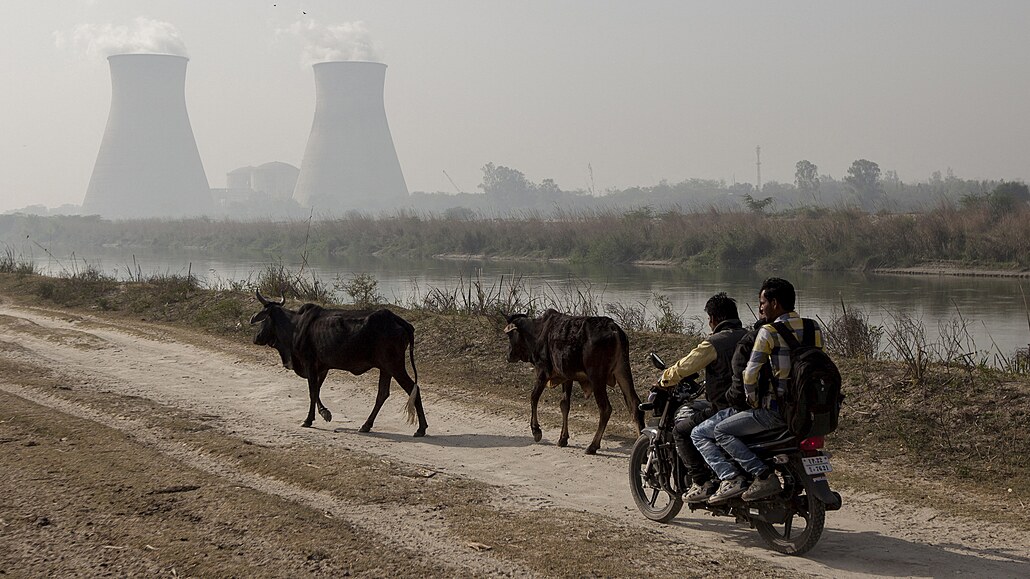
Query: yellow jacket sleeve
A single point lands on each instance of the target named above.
(701, 356)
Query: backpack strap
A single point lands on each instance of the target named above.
(808, 335)
(787, 334)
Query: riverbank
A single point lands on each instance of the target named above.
(928, 269)
(953, 269)
(976, 238)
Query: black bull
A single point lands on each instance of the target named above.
(593, 351)
(314, 340)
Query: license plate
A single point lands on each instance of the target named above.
(816, 464)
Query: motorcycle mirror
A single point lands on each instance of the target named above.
(656, 361)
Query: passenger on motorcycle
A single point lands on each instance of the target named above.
(703, 436)
(713, 355)
(776, 301)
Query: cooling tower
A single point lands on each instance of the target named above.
(350, 161)
(148, 163)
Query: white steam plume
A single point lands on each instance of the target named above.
(347, 41)
(142, 36)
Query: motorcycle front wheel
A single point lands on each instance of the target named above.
(803, 526)
(651, 499)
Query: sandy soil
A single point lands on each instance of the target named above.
(244, 392)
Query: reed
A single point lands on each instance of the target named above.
(821, 238)
(9, 263)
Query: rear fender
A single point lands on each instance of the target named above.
(820, 489)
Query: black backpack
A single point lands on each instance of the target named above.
(811, 404)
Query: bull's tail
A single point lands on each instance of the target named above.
(624, 376)
(410, 406)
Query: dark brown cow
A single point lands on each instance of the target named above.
(593, 351)
(314, 340)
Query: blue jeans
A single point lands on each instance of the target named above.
(728, 431)
(703, 436)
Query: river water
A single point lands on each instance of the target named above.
(989, 312)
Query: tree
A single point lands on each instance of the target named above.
(757, 206)
(864, 180)
(507, 187)
(1008, 196)
(1014, 191)
(806, 178)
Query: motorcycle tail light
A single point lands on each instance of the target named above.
(813, 443)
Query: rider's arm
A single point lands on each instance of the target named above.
(764, 343)
(701, 356)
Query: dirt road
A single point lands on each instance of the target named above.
(241, 391)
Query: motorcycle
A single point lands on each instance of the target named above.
(791, 522)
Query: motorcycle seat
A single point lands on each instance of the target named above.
(776, 435)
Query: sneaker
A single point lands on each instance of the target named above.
(763, 487)
(700, 493)
(728, 489)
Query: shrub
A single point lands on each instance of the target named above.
(851, 335)
(278, 280)
(362, 288)
(667, 320)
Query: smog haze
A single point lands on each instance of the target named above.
(593, 94)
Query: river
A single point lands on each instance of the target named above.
(990, 312)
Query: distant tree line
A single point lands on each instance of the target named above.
(507, 192)
(864, 186)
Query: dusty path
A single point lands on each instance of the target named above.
(249, 394)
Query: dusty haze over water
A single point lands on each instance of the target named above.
(638, 92)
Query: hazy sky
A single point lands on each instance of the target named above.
(639, 91)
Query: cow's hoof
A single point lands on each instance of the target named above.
(563, 442)
(365, 428)
(306, 424)
(592, 449)
(537, 434)
(326, 415)
(420, 432)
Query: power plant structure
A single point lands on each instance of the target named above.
(350, 161)
(148, 164)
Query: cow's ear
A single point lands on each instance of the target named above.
(260, 316)
(509, 328)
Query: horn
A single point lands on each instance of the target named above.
(265, 302)
(509, 328)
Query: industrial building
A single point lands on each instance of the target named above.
(148, 164)
(350, 161)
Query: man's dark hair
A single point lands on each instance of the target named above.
(721, 307)
(780, 290)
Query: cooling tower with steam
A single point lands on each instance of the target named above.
(148, 164)
(350, 161)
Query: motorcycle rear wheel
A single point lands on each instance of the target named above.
(784, 538)
(652, 501)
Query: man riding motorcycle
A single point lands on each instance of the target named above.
(776, 303)
(713, 355)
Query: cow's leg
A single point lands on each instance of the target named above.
(566, 403)
(322, 410)
(314, 387)
(384, 393)
(534, 400)
(408, 385)
(604, 409)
